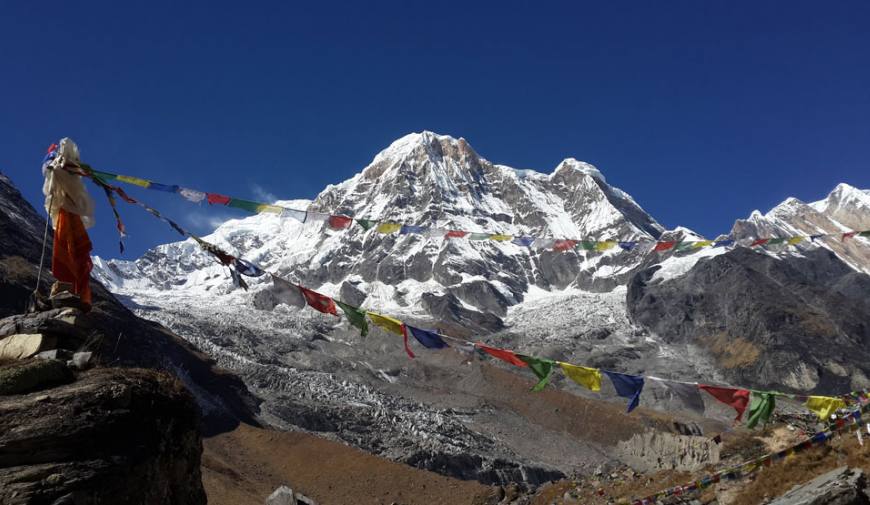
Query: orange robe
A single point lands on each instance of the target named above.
(71, 256)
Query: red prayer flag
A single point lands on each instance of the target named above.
(502, 354)
(736, 398)
(564, 245)
(759, 241)
(71, 255)
(214, 198)
(849, 235)
(405, 336)
(339, 222)
(455, 234)
(319, 302)
(664, 246)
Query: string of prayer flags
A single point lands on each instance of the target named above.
(627, 386)
(761, 407)
(299, 215)
(133, 180)
(408, 229)
(478, 236)
(163, 187)
(500, 237)
(733, 397)
(542, 368)
(848, 235)
(523, 241)
(627, 246)
(502, 354)
(564, 245)
(393, 326)
(455, 234)
(318, 302)
(365, 224)
(388, 228)
(590, 378)
(824, 406)
(285, 292)
(723, 243)
(356, 316)
(427, 338)
(759, 241)
(248, 268)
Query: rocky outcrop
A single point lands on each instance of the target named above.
(114, 436)
(792, 321)
(658, 450)
(843, 486)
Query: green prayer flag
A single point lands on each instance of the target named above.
(865, 233)
(245, 205)
(587, 245)
(684, 246)
(542, 368)
(761, 407)
(106, 176)
(776, 241)
(366, 223)
(356, 316)
(478, 236)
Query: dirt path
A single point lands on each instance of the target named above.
(245, 465)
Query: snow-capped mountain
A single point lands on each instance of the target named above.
(315, 372)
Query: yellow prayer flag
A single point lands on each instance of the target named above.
(795, 240)
(388, 228)
(587, 377)
(824, 406)
(499, 237)
(387, 323)
(273, 209)
(701, 243)
(134, 180)
(605, 245)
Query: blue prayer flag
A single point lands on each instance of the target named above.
(723, 243)
(247, 268)
(814, 237)
(628, 246)
(523, 241)
(627, 386)
(428, 339)
(163, 187)
(406, 229)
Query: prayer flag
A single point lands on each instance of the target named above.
(408, 229)
(163, 187)
(436, 233)
(71, 255)
(393, 326)
(587, 245)
(564, 245)
(627, 386)
(287, 293)
(499, 237)
(478, 236)
(590, 378)
(776, 241)
(542, 368)
(299, 215)
(366, 223)
(356, 316)
(824, 406)
(543, 243)
(427, 338)
(388, 228)
(502, 354)
(723, 243)
(848, 235)
(702, 243)
(248, 268)
(243, 204)
(795, 240)
(192, 195)
(736, 398)
(664, 246)
(455, 234)
(523, 241)
(814, 237)
(761, 407)
(605, 245)
(339, 222)
(864, 233)
(627, 246)
(237, 279)
(215, 199)
(759, 241)
(321, 303)
(133, 180)
(269, 209)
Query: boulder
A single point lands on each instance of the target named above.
(842, 486)
(24, 345)
(33, 375)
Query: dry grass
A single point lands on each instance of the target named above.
(731, 352)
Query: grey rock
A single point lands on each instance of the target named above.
(81, 360)
(283, 495)
(842, 486)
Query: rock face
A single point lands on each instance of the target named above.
(801, 322)
(653, 450)
(114, 436)
(843, 486)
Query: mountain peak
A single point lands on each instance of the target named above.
(580, 166)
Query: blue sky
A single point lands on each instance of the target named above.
(703, 111)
